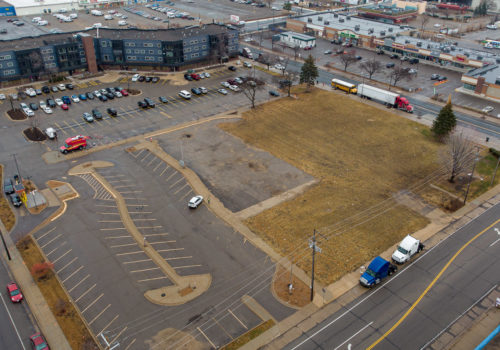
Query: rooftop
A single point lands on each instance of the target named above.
(448, 47)
(490, 73)
(30, 42)
(29, 3)
(360, 26)
(298, 35)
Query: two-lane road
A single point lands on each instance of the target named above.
(416, 304)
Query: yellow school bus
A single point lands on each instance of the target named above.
(344, 85)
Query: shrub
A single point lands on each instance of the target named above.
(495, 152)
(41, 270)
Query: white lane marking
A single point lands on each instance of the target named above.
(153, 279)
(93, 302)
(355, 334)
(74, 273)
(65, 266)
(99, 314)
(85, 293)
(458, 317)
(150, 269)
(109, 324)
(237, 319)
(497, 231)
(62, 256)
(76, 285)
(45, 234)
(12, 321)
(213, 345)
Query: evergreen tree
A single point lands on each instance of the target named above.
(445, 122)
(308, 72)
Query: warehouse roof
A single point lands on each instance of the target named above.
(30, 3)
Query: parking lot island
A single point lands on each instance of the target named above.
(185, 288)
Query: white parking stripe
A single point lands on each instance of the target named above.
(109, 213)
(148, 219)
(156, 234)
(150, 269)
(85, 293)
(175, 183)
(93, 302)
(123, 245)
(237, 319)
(153, 279)
(114, 228)
(75, 272)
(65, 266)
(45, 234)
(213, 345)
(99, 314)
(161, 174)
(168, 178)
(161, 242)
(130, 253)
(109, 324)
(179, 257)
(114, 237)
(59, 258)
(160, 163)
(180, 189)
(52, 240)
(169, 250)
(131, 343)
(185, 267)
(56, 248)
(76, 285)
(136, 261)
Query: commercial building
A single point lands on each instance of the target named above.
(482, 82)
(163, 49)
(7, 9)
(293, 39)
(388, 12)
(34, 7)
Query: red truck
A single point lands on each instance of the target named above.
(72, 143)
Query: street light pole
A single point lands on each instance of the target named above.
(470, 177)
(495, 173)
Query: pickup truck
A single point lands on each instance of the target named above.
(377, 270)
(408, 247)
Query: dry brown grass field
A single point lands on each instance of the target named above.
(362, 155)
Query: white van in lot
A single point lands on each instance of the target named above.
(73, 16)
(97, 25)
(185, 94)
(42, 23)
(36, 19)
(108, 17)
(122, 23)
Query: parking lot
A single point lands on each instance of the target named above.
(132, 120)
(106, 272)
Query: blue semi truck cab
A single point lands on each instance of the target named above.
(377, 270)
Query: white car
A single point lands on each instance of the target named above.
(47, 110)
(234, 88)
(30, 92)
(487, 109)
(135, 77)
(492, 26)
(108, 17)
(279, 66)
(247, 40)
(238, 80)
(412, 71)
(36, 19)
(203, 90)
(97, 93)
(61, 87)
(122, 23)
(51, 133)
(222, 91)
(247, 64)
(42, 104)
(28, 112)
(225, 84)
(185, 94)
(195, 202)
(75, 98)
(207, 75)
(73, 16)
(59, 102)
(2, 96)
(23, 105)
(118, 94)
(42, 23)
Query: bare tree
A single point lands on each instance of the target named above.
(296, 50)
(457, 156)
(269, 3)
(266, 59)
(371, 67)
(250, 87)
(347, 58)
(399, 73)
(287, 81)
(423, 22)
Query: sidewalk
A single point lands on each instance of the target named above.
(347, 288)
(32, 295)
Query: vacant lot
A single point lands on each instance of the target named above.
(361, 154)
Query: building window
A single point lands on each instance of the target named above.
(469, 87)
(160, 59)
(80, 46)
(204, 40)
(106, 58)
(50, 58)
(158, 45)
(203, 47)
(204, 53)
(148, 45)
(195, 55)
(6, 57)
(159, 52)
(151, 52)
(10, 64)
(130, 44)
(128, 51)
(104, 43)
(149, 58)
(47, 51)
(131, 58)
(83, 60)
(187, 49)
(195, 41)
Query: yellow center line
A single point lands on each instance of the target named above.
(430, 286)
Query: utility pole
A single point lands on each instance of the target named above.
(495, 173)
(471, 174)
(312, 245)
(17, 167)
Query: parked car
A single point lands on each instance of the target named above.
(442, 78)
(150, 102)
(142, 104)
(61, 87)
(414, 61)
(70, 86)
(64, 106)
(82, 97)
(54, 88)
(225, 84)
(390, 65)
(45, 90)
(155, 80)
(47, 110)
(274, 93)
(112, 112)
(33, 106)
(13, 290)
(434, 76)
(234, 88)
(96, 114)
(28, 112)
(232, 68)
(124, 92)
(328, 52)
(195, 202)
(487, 109)
(110, 96)
(196, 91)
(51, 133)
(222, 91)
(148, 79)
(103, 98)
(88, 117)
(38, 342)
(163, 99)
(90, 95)
(8, 186)
(135, 77)
(195, 76)
(97, 93)
(394, 56)
(185, 94)
(204, 90)
(51, 103)
(75, 98)
(408, 247)
(141, 78)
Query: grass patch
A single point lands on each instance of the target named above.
(6, 214)
(361, 154)
(248, 336)
(68, 318)
(268, 71)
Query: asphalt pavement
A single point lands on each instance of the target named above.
(15, 322)
(415, 305)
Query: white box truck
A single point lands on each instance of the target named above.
(408, 247)
(96, 13)
(387, 97)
